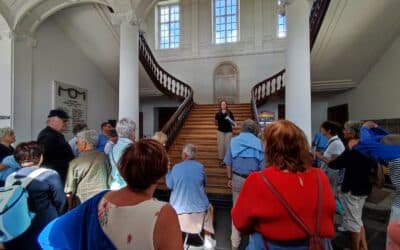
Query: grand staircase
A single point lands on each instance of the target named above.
(199, 129)
(194, 123)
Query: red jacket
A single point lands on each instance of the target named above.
(257, 209)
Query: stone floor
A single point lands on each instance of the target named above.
(375, 217)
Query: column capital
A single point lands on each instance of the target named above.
(285, 2)
(29, 40)
(126, 17)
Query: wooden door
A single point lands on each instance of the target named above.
(339, 113)
(163, 116)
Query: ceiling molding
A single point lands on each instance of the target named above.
(107, 21)
(25, 24)
(143, 91)
(333, 85)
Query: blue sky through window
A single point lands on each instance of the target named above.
(169, 27)
(225, 21)
(281, 25)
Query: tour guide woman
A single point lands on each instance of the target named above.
(224, 119)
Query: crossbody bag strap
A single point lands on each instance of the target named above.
(319, 202)
(330, 142)
(30, 177)
(282, 200)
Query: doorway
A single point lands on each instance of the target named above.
(339, 113)
(226, 83)
(163, 116)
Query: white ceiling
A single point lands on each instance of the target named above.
(352, 38)
(89, 27)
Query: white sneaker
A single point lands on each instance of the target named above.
(209, 243)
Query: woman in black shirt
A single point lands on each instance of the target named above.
(356, 185)
(225, 120)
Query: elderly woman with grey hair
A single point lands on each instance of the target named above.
(7, 137)
(126, 136)
(356, 185)
(89, 173)
(244, 155)
(187, 180)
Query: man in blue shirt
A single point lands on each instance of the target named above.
(319, 144)
(103, 136)
(187, 180)
(244, 155)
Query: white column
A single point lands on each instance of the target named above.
(298, 82)
(5, 78)
(22, 72)
(129, 71)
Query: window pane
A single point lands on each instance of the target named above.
(169, 28)
(164, 10)
(220, 3)
(281, 25)
(225, 26)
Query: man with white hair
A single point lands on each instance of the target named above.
(187, 180)
(57, 152)
(89, 173)
(126, 136)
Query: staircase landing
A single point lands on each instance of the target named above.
(200, 130)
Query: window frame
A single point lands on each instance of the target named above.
(214, 19)
(158, 24)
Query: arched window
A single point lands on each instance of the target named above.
(226, 83)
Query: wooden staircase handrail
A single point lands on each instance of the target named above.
(265, 89)
(317, 15)
(274, 85)
(168, 85)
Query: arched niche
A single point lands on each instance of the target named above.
(226, 83)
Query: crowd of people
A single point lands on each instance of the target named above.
(96, 190)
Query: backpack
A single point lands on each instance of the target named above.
(15, 217)
(315, 241)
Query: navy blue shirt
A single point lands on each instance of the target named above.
(46, 200)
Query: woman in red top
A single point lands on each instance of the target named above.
(291, 175)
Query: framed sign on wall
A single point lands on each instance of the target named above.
(73, 100)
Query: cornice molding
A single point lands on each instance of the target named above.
(126, 17)
(29, 40)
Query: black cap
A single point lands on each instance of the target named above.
(59, 113)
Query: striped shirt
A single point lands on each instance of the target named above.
(394, 173)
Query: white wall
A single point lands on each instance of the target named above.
(55, 57)
(319, 107)
(5, 79)
(258, 54)
(148, 105)
(377, 95)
